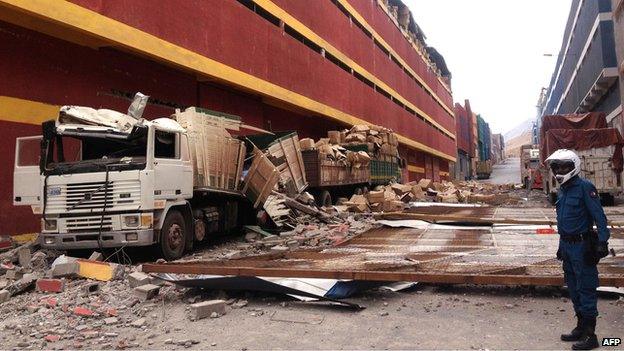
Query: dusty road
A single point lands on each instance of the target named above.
(426, 317)
(508, 171)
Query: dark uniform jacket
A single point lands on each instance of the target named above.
(578, 207)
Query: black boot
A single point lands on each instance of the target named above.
(576, 333)
(589, 340)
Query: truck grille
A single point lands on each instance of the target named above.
(89, 224)
(94, 196)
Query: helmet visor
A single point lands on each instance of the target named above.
(561, 167)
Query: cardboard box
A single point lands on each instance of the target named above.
(334, 136)
(306, 144)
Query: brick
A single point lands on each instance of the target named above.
(50, 285)
(139, 323)
(101, 271)
(110, 320)
(24, 256)
(91, 288)
(69, 269)
(5, 295)
(83, 312)
(206, 308)
(96, 256)
(52, 338)
(147, 291)
(50, 302)
(137, 279)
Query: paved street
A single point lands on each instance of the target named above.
(508, 171)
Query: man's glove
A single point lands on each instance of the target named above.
(595, 252)
(601, 249)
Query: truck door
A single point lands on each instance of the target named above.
(26, 174)
(172, 169)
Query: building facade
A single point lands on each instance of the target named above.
(465, 141)
(498, 148)
(586, 76)
(308, 66)
(618, 29)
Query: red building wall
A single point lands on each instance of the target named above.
(40, 68)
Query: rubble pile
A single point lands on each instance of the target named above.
(49, 300)
(396, 197)
(303, 236)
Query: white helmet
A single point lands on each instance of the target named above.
(565, 164)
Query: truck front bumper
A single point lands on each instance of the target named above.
(65, 241)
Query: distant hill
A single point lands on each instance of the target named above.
(512, 146)
(519, 129)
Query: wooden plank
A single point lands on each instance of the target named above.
(446, 278)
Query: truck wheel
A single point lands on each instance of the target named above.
(365, 190)
(552, 198)
(173, 236)
(357, 191)
(325, 199)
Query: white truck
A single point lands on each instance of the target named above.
(102, 179)
(597, 167)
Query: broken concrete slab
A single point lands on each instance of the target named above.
(147, 291)
(24, 256)
(137, 279)
(96, 256)
(14, 274)
(67, 269)
(5, 295)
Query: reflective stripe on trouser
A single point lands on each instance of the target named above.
(581, 278)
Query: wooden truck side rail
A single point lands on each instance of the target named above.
(321, 172)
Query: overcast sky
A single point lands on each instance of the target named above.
(495, 51)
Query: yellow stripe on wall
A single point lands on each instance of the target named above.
(318, 40)
(416, 169)
(26, 111)
(387, 46)
(76, 18)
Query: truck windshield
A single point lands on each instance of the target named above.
(82, 154)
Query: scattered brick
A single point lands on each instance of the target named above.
(206, 308)
(84, 312)
(137, 279)
(147, 291)
(50, 302)
(52, 338)
(50, 285)
(91, 288)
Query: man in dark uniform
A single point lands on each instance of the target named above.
(580, 247)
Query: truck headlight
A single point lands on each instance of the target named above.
(131, 221)
(49, 225)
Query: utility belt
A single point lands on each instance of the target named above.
(575, 238)
(591, 236)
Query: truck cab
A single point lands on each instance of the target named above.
(98, 186)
